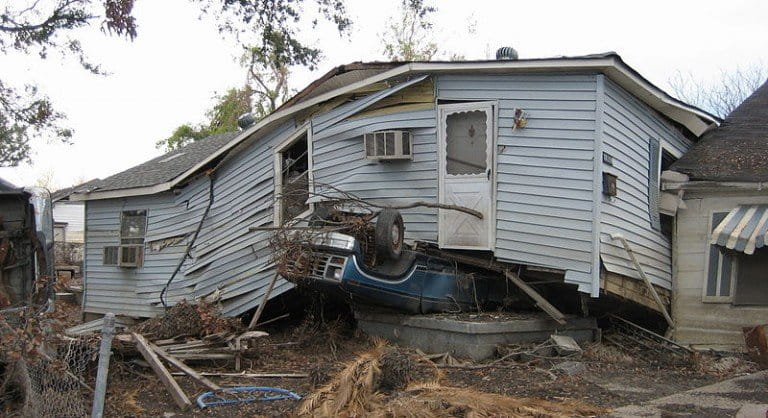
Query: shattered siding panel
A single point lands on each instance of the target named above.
(628, 127)
(544, 171)
(226, 255)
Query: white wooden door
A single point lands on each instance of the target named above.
(466, 144)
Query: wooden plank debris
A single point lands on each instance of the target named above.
(170, 383)
(263, 303)
(493, 265)
(184, 368)
(641, 273)
(540, 301)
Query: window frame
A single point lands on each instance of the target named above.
(717, 298)
(277, 169)
(142, 246)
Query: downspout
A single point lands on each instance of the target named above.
(639, 268)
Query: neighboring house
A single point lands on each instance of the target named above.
(558, 154)
(69, 224)
(721, 283)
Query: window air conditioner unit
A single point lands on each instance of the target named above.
(131, 256)
(388, 145)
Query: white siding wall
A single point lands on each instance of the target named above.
(545, 170)
(627, 128)
(73, 213)
(339, 160)
(705, 325)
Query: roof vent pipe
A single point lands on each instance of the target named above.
(506, 53)
(245, 120)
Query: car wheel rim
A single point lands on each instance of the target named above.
(395, 237)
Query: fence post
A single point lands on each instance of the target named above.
(107, 332)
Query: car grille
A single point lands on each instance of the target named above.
(325, 265)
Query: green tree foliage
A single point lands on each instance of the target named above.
(42, 27)
(267, 89)
(409, 36)
(221, 118)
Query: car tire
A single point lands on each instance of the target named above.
(389, 234)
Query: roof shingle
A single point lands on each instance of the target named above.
(167, 166)
(737, 150)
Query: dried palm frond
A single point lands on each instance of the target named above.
(351, 392)
(434, 400)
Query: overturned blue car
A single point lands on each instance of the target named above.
(400, 280)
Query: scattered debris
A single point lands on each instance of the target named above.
(173, 387)
(244, 394)
(199, 319)
(726, 365)
(565, 345)
(631, 337)
(571, 368)
(357, 390)
(757, 344)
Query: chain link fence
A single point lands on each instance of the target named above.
(44, 374)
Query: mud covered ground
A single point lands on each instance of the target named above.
(611, 377)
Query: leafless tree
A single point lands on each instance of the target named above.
(723, 94)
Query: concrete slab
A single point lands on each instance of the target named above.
(466, 337)
(724, 399)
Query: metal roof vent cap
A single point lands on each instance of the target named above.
(506, 53)
(245, 120)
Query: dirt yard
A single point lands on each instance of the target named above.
(610, 378)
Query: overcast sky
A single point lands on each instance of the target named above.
(170, 73)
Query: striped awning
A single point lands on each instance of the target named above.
(743, 229)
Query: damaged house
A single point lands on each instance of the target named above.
(722, 221)
(561, 156)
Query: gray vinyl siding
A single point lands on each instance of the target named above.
(113, 289)
(226, 257)
(628, 127)
(544, 202)
(339, 160)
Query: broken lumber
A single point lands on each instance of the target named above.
(493, 265)
(165, 377)
(540, 301)
(641, 273)
(184, 368)
(264, 300)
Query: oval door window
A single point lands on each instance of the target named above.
(466, 142)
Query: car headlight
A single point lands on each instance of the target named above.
(333, 272)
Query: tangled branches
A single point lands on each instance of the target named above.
(336, 210)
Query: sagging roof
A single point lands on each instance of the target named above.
(161, 169)
(737, 151)
(362, 77)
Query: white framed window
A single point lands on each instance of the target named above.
(130, 252)
(293, 176)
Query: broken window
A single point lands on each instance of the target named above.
(292, 174)
(466, 143)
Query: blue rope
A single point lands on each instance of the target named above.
(203, 400)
